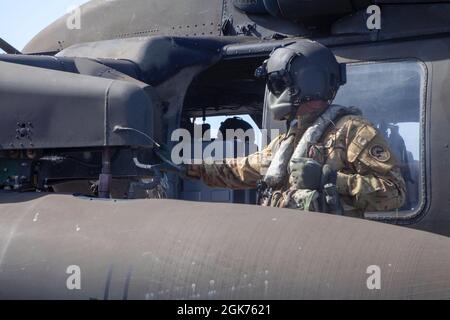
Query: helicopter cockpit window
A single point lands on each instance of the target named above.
(391, 96)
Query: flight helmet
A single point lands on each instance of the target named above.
(300, 72)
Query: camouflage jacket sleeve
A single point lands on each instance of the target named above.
(374, 182)
(239, 173)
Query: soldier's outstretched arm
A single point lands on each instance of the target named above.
(239, 173)
(376, 183)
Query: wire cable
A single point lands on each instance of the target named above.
(120, 128)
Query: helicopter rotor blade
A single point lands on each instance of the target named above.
(5, 46)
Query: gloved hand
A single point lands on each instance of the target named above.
(163, 153)
(329, 176)
(331, 198)
(167, 165)
(305, 174)
(169, 168)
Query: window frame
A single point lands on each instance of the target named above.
(411, 216)
(397, 217)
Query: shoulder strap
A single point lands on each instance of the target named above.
(318, 129)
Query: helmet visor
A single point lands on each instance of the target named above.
(277, 83)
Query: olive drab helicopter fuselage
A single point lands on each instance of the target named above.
(93, 95)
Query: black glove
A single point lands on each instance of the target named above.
(331, 198)
(329, 176)
(305, 174)
(167, 165)
(171, 168)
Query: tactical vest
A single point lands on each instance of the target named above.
(279, 187)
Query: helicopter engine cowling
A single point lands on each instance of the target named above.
(164, 249)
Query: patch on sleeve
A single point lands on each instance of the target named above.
(360, 142)
(380, 153)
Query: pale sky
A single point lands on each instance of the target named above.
(21, 20)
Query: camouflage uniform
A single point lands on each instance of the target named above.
(368, 176)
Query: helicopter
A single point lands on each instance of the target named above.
(88, 102)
